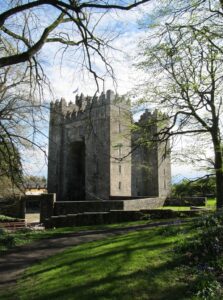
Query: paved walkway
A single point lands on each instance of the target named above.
(13, 264)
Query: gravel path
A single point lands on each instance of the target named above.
(14, 263)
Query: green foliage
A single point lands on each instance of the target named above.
(208, 288)
(4, 218)
(6, 240)
(34, 181)
(10, 169)
(10, 163)
(204, 186)
(204, 252)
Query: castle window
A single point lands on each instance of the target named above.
(119, 185)
(119, 151)
(119, 127)
(120, 169)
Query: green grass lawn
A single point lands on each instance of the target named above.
(176, 208)
(210, 204)
(139, 265)
(22, 237)
(4, 218)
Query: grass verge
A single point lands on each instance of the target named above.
(9, 239)
(210, 204)
(139, 265)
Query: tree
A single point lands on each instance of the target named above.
(200, 187)
(11, 177)
(186, 69)
(22, 40)
(26, 27)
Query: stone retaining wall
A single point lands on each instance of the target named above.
(146, 203)
(100, 218)
(47, 202)
(72, 207)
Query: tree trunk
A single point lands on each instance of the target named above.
(219, 173)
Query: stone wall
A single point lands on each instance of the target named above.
(100, 218)
(72, 207)
(91, 218)
(47, 202)
(32, 203)
(146, 203)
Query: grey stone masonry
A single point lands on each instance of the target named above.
(90, 152)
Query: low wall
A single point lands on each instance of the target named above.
(32, 203)
(13, 207)
(99, 218)
(47, 202)
(186, 201)
(16, 207)
(72, 207)
(144, 203)
(88, 219)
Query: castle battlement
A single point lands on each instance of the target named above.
(82, 102)
(83, 105)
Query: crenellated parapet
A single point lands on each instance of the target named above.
(148, 115)
(83, 105)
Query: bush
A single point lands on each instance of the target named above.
(6, 240)
(204, 253)
(208, 288)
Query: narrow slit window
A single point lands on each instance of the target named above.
(119, 151)
(120, 169)
(119, 185)
(119, 127)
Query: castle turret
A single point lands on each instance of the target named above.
(151, 171)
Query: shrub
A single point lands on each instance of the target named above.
(204, 252)
(6, 240)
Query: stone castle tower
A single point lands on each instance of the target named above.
(90, 152)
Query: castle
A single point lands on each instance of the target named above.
(95, 154)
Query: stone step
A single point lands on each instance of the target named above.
(92, 218)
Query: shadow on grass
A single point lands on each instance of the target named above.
(143, 284)
(124, 245)
(140, 265)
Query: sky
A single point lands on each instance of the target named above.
(66, 76)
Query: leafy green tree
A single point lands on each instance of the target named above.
(11, 177)
(185, 80)
(200, 187)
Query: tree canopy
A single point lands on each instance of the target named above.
(26, 27)
(183, 59)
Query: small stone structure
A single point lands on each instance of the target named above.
(91, 153)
